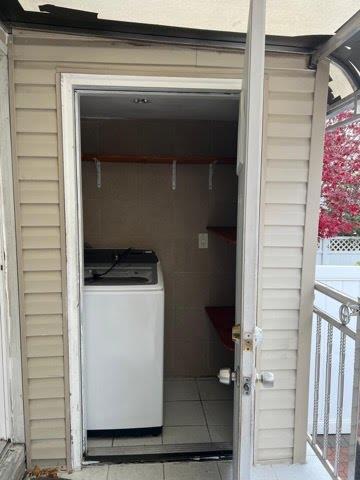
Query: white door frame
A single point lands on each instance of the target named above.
(10, 343)
(70, 84)
(5, 408)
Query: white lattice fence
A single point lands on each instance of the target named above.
(339, 251)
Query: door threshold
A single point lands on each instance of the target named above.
(162, 453)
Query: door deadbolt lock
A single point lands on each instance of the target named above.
(266, 378)
(226, 376)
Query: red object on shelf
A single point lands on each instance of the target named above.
(227, 233)
(223, 319)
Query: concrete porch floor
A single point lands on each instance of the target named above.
(312, 470)
(180, 392)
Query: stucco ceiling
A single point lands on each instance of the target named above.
(284, 17)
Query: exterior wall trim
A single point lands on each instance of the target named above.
(9, 294)
(309, 260)
(63, 275)
(193, 38)
(16, 196)
(73, 215)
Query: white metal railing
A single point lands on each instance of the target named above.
(328, 368)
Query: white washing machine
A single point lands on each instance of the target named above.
(123, 331)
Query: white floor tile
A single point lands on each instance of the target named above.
(100, 442)
(211, 389)
(88, 473)
(136, 471)
(183, 413)
(225, 469)
(219, 412)
(221, 433)
(264, 472)
(189, 434)
(133, 441)
(312, 470)
(191, 471)
(182, 389)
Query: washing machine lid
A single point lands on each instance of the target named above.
(136, 278)
(120, 267)
(122, 274)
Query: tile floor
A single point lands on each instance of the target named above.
(312, 470)
(196, 410)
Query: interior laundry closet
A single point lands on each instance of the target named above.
(159, 200)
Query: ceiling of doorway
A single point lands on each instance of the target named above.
(150, 105)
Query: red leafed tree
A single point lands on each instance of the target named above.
(340, 193)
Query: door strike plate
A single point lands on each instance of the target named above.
(252, 339)
(248, 342)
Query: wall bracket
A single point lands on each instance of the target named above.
(173, 177)
(211, 174)
(98, 172)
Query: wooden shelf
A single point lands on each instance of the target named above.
(227, 233)
(223, 319)
(193, 159)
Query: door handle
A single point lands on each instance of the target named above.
(266, 378)
(226, 376)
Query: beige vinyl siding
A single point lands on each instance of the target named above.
(37, 170)
(288, 125)
(35, 60)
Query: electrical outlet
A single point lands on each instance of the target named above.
(203, 240)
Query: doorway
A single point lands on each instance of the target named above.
(158, 186)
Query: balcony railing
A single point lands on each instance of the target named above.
(334, 381)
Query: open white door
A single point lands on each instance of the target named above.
(245, 333)
(249, 171)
